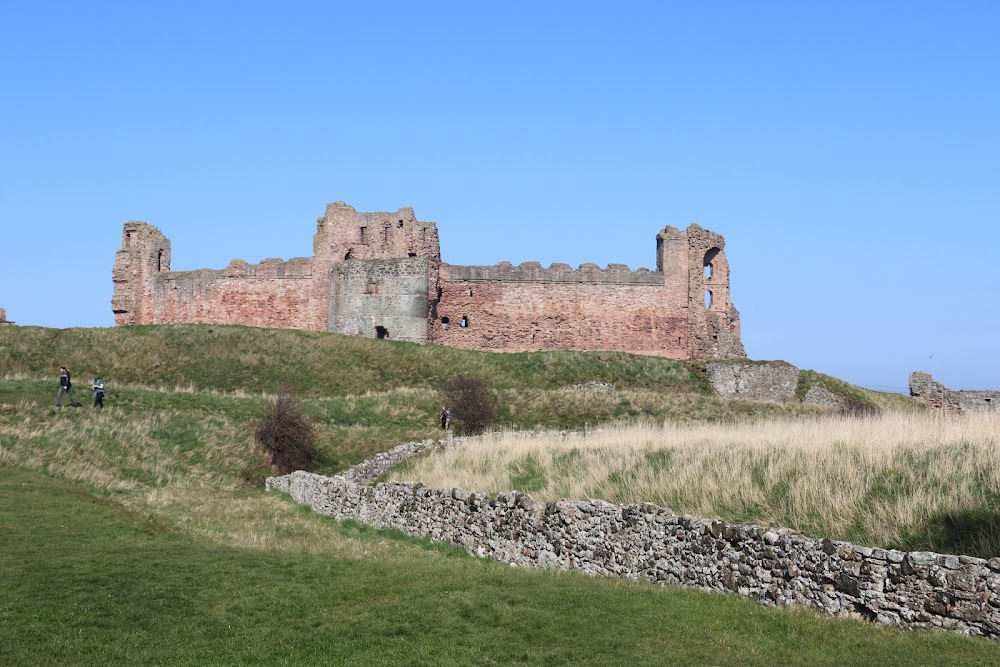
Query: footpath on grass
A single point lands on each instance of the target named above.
(773, 566)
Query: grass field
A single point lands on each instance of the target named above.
(87, 582)
(141, 534)
(908, 481)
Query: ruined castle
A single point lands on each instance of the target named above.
(381, 275)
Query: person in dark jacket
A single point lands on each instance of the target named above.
(65, 387)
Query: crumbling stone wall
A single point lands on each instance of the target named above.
(3, 317)
(823, 397)
(767, 381)
(936, 396)
(272, 293)
(381, 275)
(771, 381)
(643, 541)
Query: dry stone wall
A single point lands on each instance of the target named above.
(646, 542)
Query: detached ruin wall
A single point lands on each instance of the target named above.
(381, 275)
(645, 542)
(936, 396)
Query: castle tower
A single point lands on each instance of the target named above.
(383, 271)
(696, 275)
(344, 234)
(144, 252)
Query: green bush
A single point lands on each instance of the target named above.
(286, 435)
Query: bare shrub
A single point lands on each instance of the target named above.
(473, 403)
(286, 435)
(853, 407)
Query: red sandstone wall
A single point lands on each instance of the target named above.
(271, 294)
(506, 308)
(521, 315)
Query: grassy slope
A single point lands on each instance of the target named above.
(367, 394)
(176, 560)
(318, 364)
(87, 582)
(312, 364)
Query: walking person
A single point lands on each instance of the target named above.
(65, 387)
(98, 388)
(445, 417)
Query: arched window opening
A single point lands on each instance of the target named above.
(400, 224)
(470, 291)
(159, 260)
(708, 262)
(445, 320)
(708, 299)
(464, 323)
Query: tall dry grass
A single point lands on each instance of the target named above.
(882, 480)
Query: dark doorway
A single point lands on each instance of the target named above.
(381, 332)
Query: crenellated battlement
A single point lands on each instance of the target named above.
(557, 273)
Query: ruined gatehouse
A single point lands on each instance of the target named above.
(381, 275)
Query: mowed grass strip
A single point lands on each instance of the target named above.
(910, 481)
(87, 582)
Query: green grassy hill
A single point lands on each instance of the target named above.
(313, 364)
(141, 534)
(252, 360)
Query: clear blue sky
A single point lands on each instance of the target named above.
(848, 151)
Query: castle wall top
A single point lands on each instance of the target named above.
(273, 268)
(617, 274)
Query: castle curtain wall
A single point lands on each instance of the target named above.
(380, 275)
(270, 294)
(514, 309)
